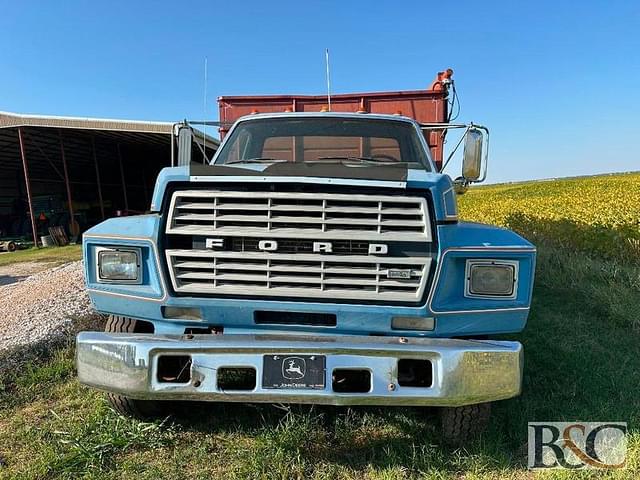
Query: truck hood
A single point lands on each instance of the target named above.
(383, 176)
(394, 173)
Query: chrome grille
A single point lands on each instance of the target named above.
(355, 277)
(299, 215)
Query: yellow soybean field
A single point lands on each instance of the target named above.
(600, 214)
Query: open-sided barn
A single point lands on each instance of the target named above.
(75, 172)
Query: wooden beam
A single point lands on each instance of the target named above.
(72, 224)
(26, 180)
(95, 162)
(124, 185)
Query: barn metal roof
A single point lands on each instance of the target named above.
(9, 120)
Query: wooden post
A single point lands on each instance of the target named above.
(26, 180)
(95, 162)
(65, 170)
(124, 186)
(145, 189)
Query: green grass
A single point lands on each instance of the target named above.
(598, 214)
(55, 255)
(582, 363)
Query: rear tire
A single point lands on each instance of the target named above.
(140, 409)
(462, 424)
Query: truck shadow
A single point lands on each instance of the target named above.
(621, 243)
(9, 279)
(352, 437)
(581, 364)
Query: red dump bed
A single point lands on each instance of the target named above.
(425, 106)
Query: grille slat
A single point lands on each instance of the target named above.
(355, 277)
(299, 214)
(197, 206)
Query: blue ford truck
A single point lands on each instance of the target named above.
(318, 258)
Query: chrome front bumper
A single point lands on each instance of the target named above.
(464, 371)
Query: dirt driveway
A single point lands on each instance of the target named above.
(39, 302)
(19, 271)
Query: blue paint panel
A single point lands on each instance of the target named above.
(471, 234)
(449, 294)
(481, 323)
(167, 175)
(466, 240)
(139, 226)
(138, 231)
(237, 315)
(450, 203)
(438, 184)
(455, 315)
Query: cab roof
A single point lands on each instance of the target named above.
(359, 116)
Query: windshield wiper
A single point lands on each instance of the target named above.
(257, 160)
(372, 160)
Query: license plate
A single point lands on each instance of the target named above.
(293, 371)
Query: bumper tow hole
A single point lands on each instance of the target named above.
(209, 330)
(236, 378)
(415, 373)
(295, 318)
(174, 369)
(351, 381)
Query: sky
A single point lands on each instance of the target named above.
(557, 83)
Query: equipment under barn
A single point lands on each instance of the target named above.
(57, 169)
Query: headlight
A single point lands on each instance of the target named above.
(121, 265)
(491, 278)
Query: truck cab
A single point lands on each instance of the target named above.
(318, 258)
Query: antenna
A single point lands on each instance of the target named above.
(204, 130)
(328, 79)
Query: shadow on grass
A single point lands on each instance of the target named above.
(306, 436)
(581, 364)
(619, 244)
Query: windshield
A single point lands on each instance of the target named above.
(365, 141)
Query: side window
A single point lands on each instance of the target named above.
(238, 149)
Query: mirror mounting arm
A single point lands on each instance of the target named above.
(467, 128)
(460, 185)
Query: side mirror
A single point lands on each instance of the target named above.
(472, 156)
(185, 141)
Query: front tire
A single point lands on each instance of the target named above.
(460, 425)
(130, 407)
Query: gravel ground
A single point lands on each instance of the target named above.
(16, 272)
(43, 308)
